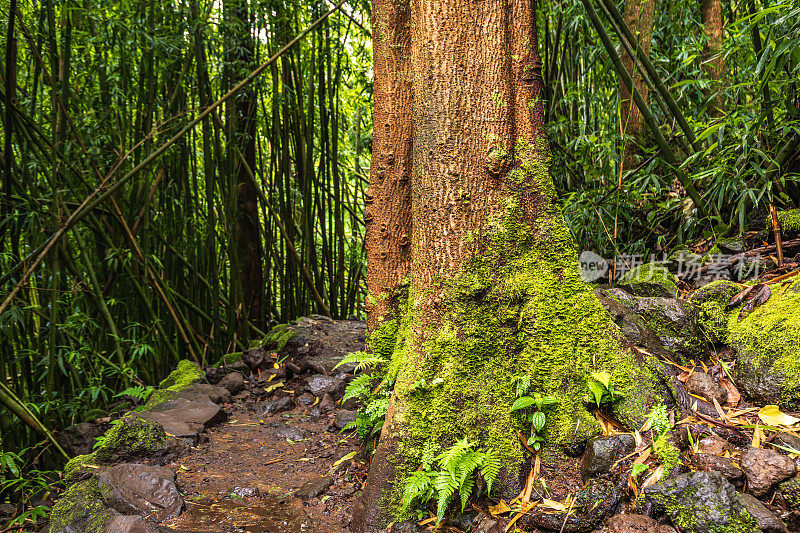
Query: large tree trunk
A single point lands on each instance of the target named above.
(495, 291)
(639, 16)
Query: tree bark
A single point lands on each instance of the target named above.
(714, 63)
(495, 291)
(639, 16)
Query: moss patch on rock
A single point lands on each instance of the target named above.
(131, 436)
(80, 509)
(768, 349)
(278, 337)
(650, 279)
(710, 301)
(186, 373)
(789, 221)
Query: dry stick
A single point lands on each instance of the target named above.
(776, 229)
(106, 189)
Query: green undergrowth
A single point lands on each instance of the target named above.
(277, 338)
(769, 338)
(517, 308)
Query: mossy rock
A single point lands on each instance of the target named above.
(79, 467)
(675, 324)
(791, 493)
(80, 509)
(186, 373)
(710, 301)
(767, 342)
(789, 222)
(278, 337)
(133, 438)
(228, 359)
(650, 280)
(93, 414)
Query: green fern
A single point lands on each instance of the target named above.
(456, 475)
(363, 360)
(359, 388)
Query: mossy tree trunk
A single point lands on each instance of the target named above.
(495, 292)
(639, 16)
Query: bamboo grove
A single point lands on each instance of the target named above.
(249, 219)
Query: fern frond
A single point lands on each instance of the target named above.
(417, 484)
(359, 388)
(467, 464)
(490, 467)
(465, 490)
(446, 486)
(363, 360)
(449, 459)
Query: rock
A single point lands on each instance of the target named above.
(765, 519)
(791, 493)
(650, 280)
(765, 468)
(621, 306)
(137, 489)
(767, 343)
(314, 488)
(293, 434)
(131, 524)
(714, 445)
(306, 399)
(80, 509)
(674, 322)
(198, 392)
(343, 418)
(317, 343)
(700, 502)
(634, 523)
(7, 509)
(787, 440)
(185, 418)
(602, 452)
(246, 492)
(318, 385)
(278, 406)
(705, 386)
(487, 524)
(79, 439)
(713, 463)
(256, 359)
(134, 438)
(234, 382)
(326, 404)
(407, 526)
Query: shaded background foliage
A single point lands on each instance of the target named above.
(273, 182)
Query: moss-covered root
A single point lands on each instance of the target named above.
(80, 509)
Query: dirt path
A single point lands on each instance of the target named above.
(281, 471)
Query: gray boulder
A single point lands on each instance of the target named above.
(137, 489)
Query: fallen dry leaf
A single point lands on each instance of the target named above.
(733, 392)
(501, 508)
(772, 416)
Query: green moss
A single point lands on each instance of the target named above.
(650, 279)
(80, 507)
(769, 338)
(229, 359)
(710, 301)
(184, 375)
(518, 307)
(78, 466)
(668, 454)
(682, 507)
(131, 436)
(788, 220)
(791, 493)
(94, 414)
(278, 336)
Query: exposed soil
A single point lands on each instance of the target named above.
(246, 476)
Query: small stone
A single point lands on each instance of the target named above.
(278, 406)
(344, 417)
(306, 399)
(787, 440)
(130, 524)
(314, 488)
(319, 385)
(765, 468)
(634, 523)
(765, 519)
(293, 434)
(713, 445)
(246, 492)
(602, 452)
(705, 386)
(713, 463)
(326, 404)
(199, 392)
(234, 382)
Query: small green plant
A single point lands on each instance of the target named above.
(370, 418)
(602, 388)
(537, 418)
(363, 361)
(22, 483)
(137, 394)
(455, 475)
